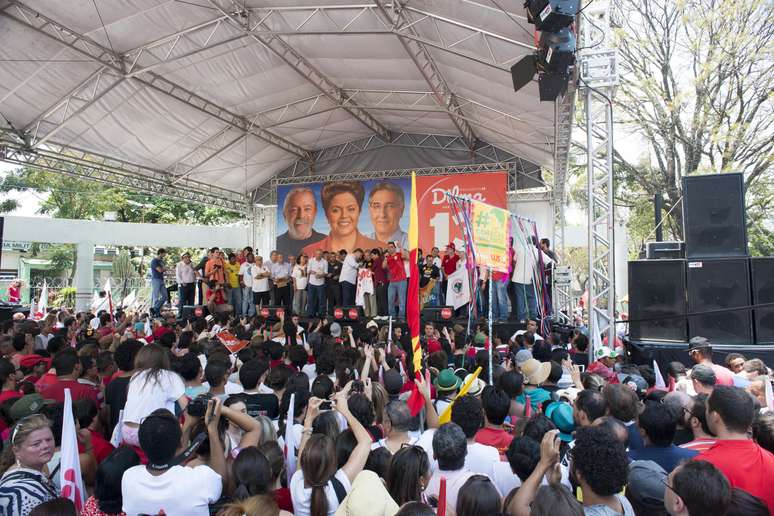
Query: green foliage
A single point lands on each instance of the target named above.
(62, 257)
(123, 271)
(73, 198)
(64, 297)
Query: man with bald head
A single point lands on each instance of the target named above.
(299, 211)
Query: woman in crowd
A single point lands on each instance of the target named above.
(408, 475)
(153, 386)
(25, 484)
(318, 487)
(107, 499)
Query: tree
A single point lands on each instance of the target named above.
(72, 198)
(697, 82)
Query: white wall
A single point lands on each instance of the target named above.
(70, 231)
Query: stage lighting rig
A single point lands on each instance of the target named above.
(552, 62)
(551, 15)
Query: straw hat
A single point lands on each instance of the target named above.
(368, 497)
(535, 372)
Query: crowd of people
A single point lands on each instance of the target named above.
(375, 279)
(310, 417)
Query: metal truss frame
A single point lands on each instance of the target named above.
(366, 18)
(444, 170)
(116, 64)
(304, 67)
(598, 78)
(564, 121)
(429, 70)
(84, 165)
(300, 172)
(475, 112)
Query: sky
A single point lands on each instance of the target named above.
(30, 201)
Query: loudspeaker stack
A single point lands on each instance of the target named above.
(718, 281)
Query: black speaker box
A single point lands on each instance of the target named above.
(272, 313)
(194, 312)
(657, 293)
(715, 285)
(713, 216)
(440, 314)
(763, 292)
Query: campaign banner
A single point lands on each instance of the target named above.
(437, 226)
(368, 214)
(489, 226)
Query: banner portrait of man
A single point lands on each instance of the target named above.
(299, 211)
(386, 206)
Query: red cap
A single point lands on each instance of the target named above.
(33, 360)
(451, 246)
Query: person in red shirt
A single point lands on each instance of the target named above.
(68, 369)
(396, 291)
(34, 367)
(431, 342)
(9, 376)
(730, 414)
(700, 351)
(496, 406)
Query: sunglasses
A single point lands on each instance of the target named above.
(665, 481)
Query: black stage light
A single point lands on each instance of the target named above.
(552, 85)
(551, 15)
(523, 71)
(557, 51)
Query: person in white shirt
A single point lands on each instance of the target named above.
(153, 386)
(396, 428)
(246, 280)
(348, 277)
(532, 327)
(467, 412)
(185, 275)
(318, 270)
(449, 449)
(300, 275)
(260, 274)
(317, 461)
(525, 261)
(165, 487)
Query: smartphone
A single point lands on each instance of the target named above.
(582, 367)
(326, 405)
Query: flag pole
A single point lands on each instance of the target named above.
(491, 335)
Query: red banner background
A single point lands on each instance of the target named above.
(437, 227)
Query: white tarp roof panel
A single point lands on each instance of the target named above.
(179, 82)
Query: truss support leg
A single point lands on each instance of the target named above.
(84, 276)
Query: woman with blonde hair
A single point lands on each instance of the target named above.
(261, 505)
(24, 484)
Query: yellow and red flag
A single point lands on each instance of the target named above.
(415, 401)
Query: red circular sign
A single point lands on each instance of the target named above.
(264, 312)
(353, 314)
(446, 313)
(198, 311)
(338, 313)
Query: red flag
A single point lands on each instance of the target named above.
(415, 401)
(442, 498)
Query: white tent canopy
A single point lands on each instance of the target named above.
(211, 99)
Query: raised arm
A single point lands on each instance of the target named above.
(359, 455)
